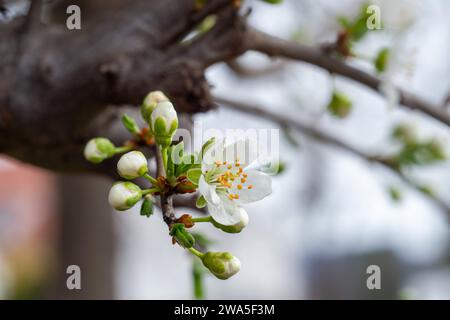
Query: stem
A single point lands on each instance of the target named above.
(151, 179)
(164, 157)
(151, 190)
(196, 252)
(123, 149)
(197, 278)
(203, 219)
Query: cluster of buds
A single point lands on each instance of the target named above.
(186, 176)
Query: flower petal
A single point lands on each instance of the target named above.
(255, 186)
(208, 191)
(227, 213)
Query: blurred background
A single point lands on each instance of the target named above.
(330, 216)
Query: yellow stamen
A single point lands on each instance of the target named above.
(249, 187)
(239, 186)
(243, 180)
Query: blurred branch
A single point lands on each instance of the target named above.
(242, 70)
(273, 46)
(328, 139)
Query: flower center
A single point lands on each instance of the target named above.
(225, 175)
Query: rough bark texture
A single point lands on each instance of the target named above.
(57, 83)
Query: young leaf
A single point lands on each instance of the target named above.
(381, 60)
(130, 124)
(208, 144)
(340, 105)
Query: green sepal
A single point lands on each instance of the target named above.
(182, 236)
(194, 175)
(201, 202)
(147, 207)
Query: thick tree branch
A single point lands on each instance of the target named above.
(327, 139)
(52, 92)
(273, 46)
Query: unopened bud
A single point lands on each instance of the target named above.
(164, 123)
(221, 264)
(99, 149)
(132, 165)
(150, 103)
(124, 195)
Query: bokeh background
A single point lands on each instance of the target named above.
(330, 215)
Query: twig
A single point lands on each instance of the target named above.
(328, 139)
(167, 209)
(273, 46)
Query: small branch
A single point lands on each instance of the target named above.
(167, 209)
(273, 46)
(325, 138)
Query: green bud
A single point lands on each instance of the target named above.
(182, 236)
(99, 149)
(150, 102)
(221, 264)
(164, 123)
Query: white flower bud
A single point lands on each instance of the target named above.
(150, 102)
(99, 149)
(132, 165)
(164, 123)
(124, 195)
(235, 228)
(221, 264)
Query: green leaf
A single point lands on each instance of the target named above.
(147, 207)
(130, 124)
(201, 202)
(187, 162)
(381, 60)
(208, 144)
(194, 175)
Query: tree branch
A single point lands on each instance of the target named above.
(51, 93)
(327, 139)
(273, 46)
(167, 209)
